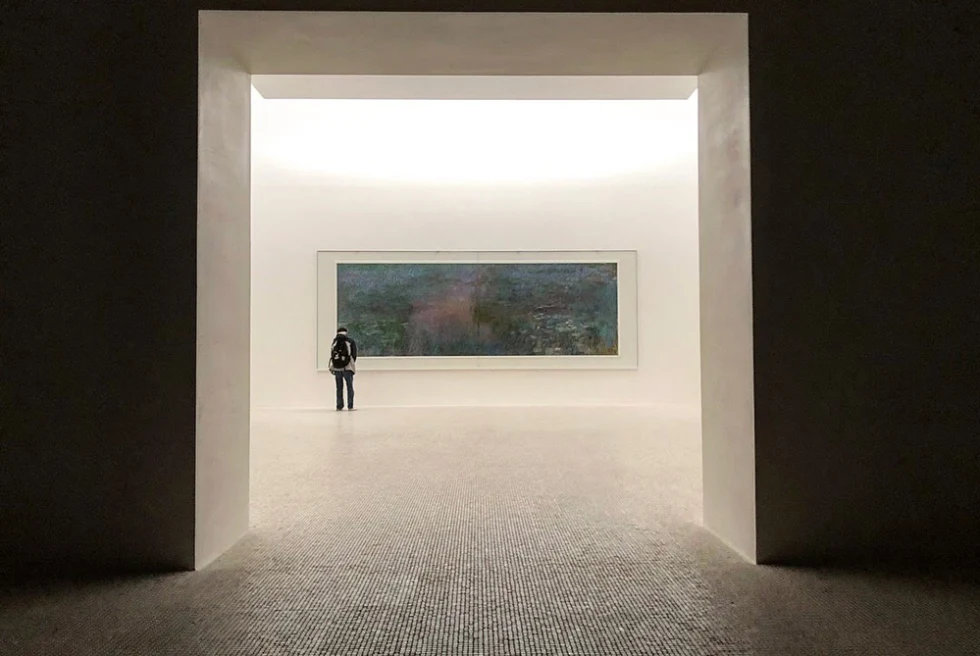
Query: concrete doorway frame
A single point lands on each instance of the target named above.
(235, 45)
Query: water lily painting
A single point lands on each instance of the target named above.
(458, 309)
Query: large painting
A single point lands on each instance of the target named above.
(503, 309)
(472, 310)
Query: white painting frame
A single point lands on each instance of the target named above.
(625, 261)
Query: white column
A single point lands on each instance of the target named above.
(727, 395)
(223, 260)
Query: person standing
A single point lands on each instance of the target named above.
(343, 355)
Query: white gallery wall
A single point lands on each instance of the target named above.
(475, 175)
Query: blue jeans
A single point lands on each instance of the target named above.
(340, 377)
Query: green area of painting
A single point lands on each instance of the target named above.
(434, 309)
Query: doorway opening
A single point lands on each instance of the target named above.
(361, 127)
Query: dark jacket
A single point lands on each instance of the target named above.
(352, 345)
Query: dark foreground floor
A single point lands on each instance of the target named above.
(445, 532)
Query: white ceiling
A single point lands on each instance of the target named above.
(476, 44)
(453, 87)
(466, 142)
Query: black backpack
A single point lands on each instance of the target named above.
(340, 354)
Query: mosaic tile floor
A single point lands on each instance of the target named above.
(492, 532)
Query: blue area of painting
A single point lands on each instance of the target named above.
(480, 309)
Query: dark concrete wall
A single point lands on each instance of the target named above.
(98, 287)
(866, 225)
(865, 241)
